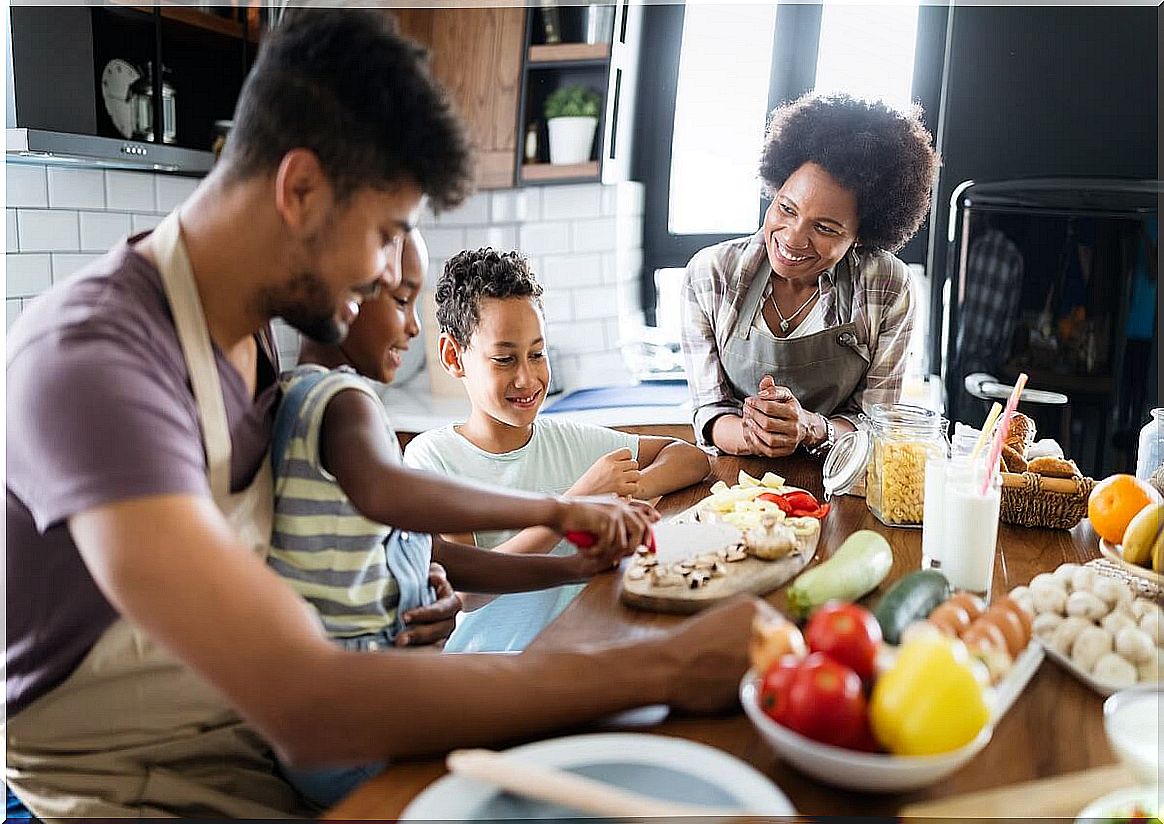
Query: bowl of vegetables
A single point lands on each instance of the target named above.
(850, 768)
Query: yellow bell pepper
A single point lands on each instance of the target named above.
(929, 701)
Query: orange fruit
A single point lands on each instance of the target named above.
(1115, 501)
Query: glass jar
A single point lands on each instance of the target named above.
(904, 438)
(1151, 450)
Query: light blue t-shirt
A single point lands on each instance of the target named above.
(557, 455)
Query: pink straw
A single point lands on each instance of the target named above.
(1003, 428)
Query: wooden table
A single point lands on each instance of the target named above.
(1054, 727)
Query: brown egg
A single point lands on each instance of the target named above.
(984, 633)
(951, 619)
(1011, 627)
(969, 602)
(1020, 613)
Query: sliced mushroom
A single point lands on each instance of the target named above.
(697, 579)
(636, 574)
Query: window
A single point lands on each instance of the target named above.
(725, 63)
(867, 51)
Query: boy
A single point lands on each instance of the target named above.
(493, 339)
(373, 585)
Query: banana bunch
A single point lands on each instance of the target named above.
(1143, 543)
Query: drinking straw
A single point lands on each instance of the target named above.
(1003, 429)
(986, 427)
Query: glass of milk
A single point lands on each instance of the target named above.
(933, 514)
(970, 527)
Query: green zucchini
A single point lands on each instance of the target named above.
(861, 563)
(911, 599)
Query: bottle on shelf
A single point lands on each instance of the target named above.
(531, 147)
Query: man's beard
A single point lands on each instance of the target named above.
(306, 305)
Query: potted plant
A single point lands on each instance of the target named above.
(572, 119)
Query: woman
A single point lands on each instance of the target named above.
(790, 333)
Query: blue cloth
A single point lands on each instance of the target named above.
(648, 393)
(1142, 309)
(14, 808)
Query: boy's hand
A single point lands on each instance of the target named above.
(619, 526)
(616, 472)
(434, 623)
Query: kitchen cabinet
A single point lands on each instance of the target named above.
(607, 67)
(122, 84)
(476, 54)
(499, 69)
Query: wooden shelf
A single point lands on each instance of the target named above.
(569, 52)
(194, 17)
(550, 171)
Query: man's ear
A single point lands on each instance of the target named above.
(450, 352)
(303, 195)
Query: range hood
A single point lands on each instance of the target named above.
(43, 146)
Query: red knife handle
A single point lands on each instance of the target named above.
(582, 540)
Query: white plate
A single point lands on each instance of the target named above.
(1115, 554)
(668, 768)
(1016, 680)
(1100, 687)
(1106, 809)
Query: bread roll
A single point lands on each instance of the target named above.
(1012, 460)
(1021, 434)
(1054, 467)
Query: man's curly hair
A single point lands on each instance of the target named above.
(884, 156)
(344, 84)
(474, 275)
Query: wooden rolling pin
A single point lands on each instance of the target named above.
(566, 789)
(1066, 486)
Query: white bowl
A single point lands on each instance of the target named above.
(1131, 719)
(1115, 806)
(871, 772)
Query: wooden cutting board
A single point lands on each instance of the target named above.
(1063, 796)
(751, 575)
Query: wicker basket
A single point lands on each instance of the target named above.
(1027, 502)
(1157, 479)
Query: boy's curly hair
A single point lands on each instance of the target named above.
(884, 156)
(473, 275)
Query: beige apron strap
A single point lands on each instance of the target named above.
(194, 337)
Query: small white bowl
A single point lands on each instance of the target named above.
(1131, 719)
(1115, 806)
(871, 772)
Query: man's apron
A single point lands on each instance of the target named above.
(822, 369)
(132, 732)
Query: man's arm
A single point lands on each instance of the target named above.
(172, 566)
(668, 464)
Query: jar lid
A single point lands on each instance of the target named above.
(846, 462)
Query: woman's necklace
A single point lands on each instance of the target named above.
(785, 322)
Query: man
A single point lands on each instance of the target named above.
(153, 658)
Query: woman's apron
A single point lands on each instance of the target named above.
(822, 369)
(132, 732)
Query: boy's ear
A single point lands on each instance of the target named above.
(450, 353)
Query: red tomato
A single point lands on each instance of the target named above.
(821, 699)
(847, 633)
(779, 500)
(774, 686)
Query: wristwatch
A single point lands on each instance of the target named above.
(825, 445)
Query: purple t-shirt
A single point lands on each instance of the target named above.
(100, 410)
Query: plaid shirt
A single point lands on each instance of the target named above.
(714, 288)
(991, 287)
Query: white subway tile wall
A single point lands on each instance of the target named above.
(584, 241)
(585, 244)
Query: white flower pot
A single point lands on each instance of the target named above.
(571, 138)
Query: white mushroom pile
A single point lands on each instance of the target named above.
(1097, 622)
